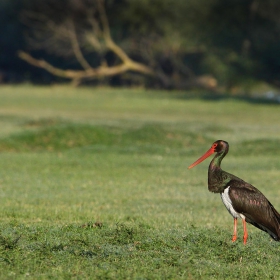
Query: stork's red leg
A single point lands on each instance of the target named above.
(245, 236)
(234, 230)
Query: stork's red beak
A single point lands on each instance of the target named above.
(202, 158)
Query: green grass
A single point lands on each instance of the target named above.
(94, 184)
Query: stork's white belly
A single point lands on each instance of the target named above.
(227, 202)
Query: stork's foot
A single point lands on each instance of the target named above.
(234, 238)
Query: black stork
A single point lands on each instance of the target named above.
(241, 199)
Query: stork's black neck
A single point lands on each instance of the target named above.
(217, 160)
(217, 178)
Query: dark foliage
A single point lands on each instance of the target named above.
(232, 41)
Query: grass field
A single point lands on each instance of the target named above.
(94, 184)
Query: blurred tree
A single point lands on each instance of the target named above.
(242, 40)
(11, 39)
(70, 28)
(145, 31)
(265, 39)
(162, 33)
(179, 44)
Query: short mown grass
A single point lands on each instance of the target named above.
(131, 250)
(94, 184)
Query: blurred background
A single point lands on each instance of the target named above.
(228, 46)
(103, 106)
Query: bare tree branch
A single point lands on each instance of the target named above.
(66, 30)
(101, 71)
(76, 47)
(107, 34)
